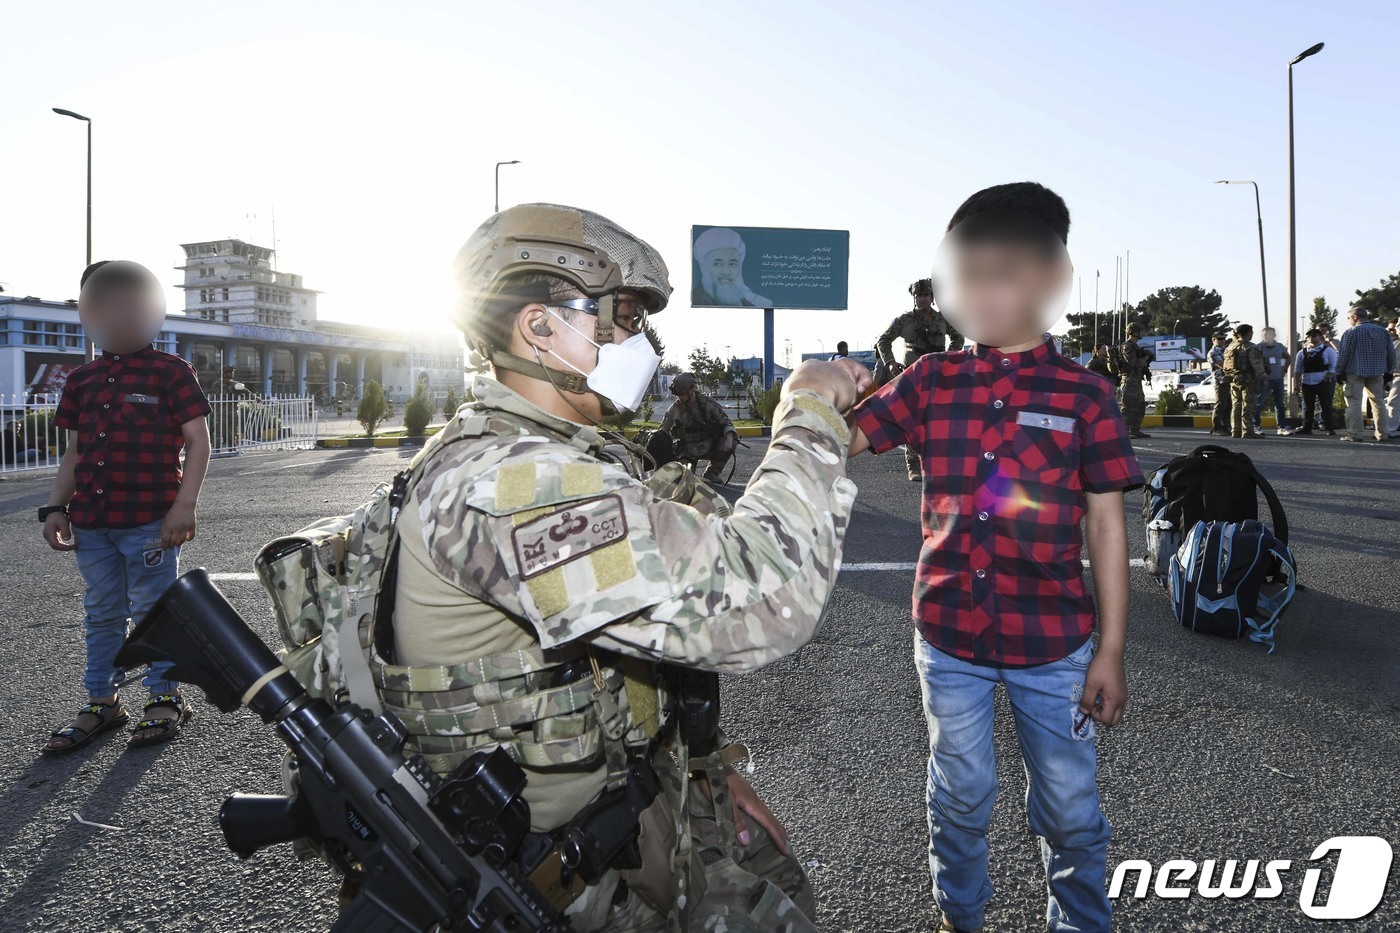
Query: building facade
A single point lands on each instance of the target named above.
(243, 322)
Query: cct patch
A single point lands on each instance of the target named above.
(568, 533)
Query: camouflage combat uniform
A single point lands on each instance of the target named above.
(1135, 363)
(538, 585)
(1244, 368)
(923, 332)
(698, 428)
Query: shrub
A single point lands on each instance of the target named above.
(417, 413)
(451, 404)
(763, 402)
(39, 431)
(1171, 402)
(373, 408)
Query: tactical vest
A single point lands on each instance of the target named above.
(332, 586)
(1315, 360)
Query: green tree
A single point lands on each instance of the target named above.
(1082, 332)
(1184, 310)
(1383, 302)
(417, 413)
(372, 408)
(708, 371)
(1323, 317)
(451, 403)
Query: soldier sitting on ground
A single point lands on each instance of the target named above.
(698, 428)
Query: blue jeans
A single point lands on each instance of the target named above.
(1272, 389)
(124, 570)
(1062, 796)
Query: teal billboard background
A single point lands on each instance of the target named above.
(769, 267)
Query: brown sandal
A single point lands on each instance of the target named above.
(153, 731)
(109, 715)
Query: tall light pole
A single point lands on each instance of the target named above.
(1259, 217)
(1293, 219)
(498, 181)
(78, 116)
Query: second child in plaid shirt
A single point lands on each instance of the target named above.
(1018, 444)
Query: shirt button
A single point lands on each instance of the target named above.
(998, 404)
(102, 463)
(982, 516)
(981, 574)
(110, 379)
(989, 456)
(102, 434)
(99, 492)
(1006, 363)
(106, 406)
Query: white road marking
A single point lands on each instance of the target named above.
(232, 577)
(877, 566)
(301, 464)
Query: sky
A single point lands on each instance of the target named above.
(372, 130)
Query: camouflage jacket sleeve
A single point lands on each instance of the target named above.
(576, 549)
(716, 417)
(884, 347)
(955, 339)
(668, 421)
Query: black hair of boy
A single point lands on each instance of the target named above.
(1025, 197)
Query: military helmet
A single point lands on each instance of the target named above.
(922, 287)
(587, 250)
(682, 383)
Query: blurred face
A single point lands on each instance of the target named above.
(923, 302)
(1005, 293)
(723, 265)
(121, 316)
(1269, 335)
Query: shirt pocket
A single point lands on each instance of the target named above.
(1043, 443)
(141, 410)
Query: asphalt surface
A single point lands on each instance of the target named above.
(1225, 752)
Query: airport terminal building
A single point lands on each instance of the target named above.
(245, 320)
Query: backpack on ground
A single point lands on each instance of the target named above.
(1218, 580)
(1211, 483)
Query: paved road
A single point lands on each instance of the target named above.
(1225, 752)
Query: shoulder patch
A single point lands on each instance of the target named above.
(567, 533)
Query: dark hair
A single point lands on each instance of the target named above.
(109, 274)
(841, 346)
(1243, 329)
(496, 321)
(1026, 197)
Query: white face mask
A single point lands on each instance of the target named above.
(624, 370)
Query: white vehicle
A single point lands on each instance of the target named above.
(1197, 387)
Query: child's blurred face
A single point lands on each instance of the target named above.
(121, 316)
(1007, 292)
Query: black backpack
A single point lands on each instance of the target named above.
(1210, 484)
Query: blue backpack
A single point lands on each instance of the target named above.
(1218, 580)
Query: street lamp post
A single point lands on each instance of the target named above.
(1293, 219)
(1259, 218)
(498, 181)
(78, 116)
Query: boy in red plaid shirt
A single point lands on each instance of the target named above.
(1018, 446)
(120, 500)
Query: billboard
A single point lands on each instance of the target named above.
(769, 267)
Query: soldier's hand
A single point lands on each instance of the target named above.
(748, 805)
(841, 382)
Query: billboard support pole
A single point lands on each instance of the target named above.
(767, 348)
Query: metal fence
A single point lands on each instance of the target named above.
(29, 439)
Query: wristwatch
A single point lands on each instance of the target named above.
(46, 510)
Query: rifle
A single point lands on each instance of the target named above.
(433, 853)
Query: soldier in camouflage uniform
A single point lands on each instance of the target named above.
(1135, 364)
(1244, 370)
(541, 585)
(699, 427)
(924, 330)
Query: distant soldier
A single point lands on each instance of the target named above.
(1244, 370)
(1098, 363)
(925, 330)
(698, 427)
(1135, 365)
(1220, 417)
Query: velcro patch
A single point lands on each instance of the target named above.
(568, 533)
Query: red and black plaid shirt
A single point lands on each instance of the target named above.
(128, 410)
(1010, 444)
